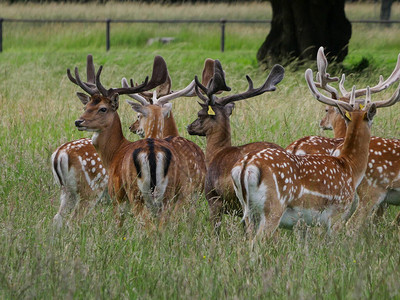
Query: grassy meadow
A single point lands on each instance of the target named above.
(93, 259)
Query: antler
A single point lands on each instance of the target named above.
(186, 92)
(90, 85)
(164, 90)
(382, 85)
(274, 77)
(159, 76)
(216, 83)
(323, 78)
(124, 90)
(142, 100)
(392, 100)
(325, 99)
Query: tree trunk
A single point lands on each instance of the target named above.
(386, 8)
(300, 27)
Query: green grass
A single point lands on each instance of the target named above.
(94, 259)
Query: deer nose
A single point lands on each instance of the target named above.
(78, 123)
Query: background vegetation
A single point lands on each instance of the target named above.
(95, 259)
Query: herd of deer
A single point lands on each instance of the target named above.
(315, 179)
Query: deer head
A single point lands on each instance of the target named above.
(215, 112)
(153, 111)
(333, 119)
(100, 103)
(348, 104)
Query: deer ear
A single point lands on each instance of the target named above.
(138, 108)
(83, 97)
(114, 101)
(166, 109)
(371, 112)
(228, 109)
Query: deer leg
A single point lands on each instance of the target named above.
(396, 221)
(369, 197)
(266, 224)
(68, 200)
(215, 207)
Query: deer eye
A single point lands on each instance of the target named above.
(103, 109)
(326, 110)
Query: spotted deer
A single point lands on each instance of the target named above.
(213, 123)
(142, 174)
(155, 120)
(381, 184)
(278, 188)
(78, 170)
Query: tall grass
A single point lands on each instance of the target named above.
(94, 258)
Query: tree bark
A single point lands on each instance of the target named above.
(386, 9)
(300, 27)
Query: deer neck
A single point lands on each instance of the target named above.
(155, 127)
(339, 127)
(170, 127)
(109, 141)
(218, 138)
(356, 145)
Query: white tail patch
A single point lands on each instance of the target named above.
(153, 195)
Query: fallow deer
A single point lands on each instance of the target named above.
(276, 187)
(144, 172)
(78, 170)
(213, 123)
(381, 184)
(155, 120)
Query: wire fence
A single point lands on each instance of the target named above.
(107, 22)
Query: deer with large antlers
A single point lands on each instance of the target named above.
(155, 120)
(381, 184)
(144, 172)
(213, 123)
(78, 170)
(280, 188)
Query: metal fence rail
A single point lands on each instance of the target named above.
(107, 22)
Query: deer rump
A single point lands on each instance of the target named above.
(152, 169)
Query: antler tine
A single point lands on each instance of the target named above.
(208, 71)
(217, 82)
(341, 86)
(100, 87)
(186, 92)
(275, 76)
(136, 97)
(78, 81)
(394, 99)
(200, 85)
(382, 85)
(90, 70)
(71, 77)
(322, 76)
(206, 77)
(368, 96)
(321, 97)
(353, 96)
(200, 95)
(159, 75)
(132, 90)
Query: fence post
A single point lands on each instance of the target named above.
(108, 21)
(1, 34)
(223, 22)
